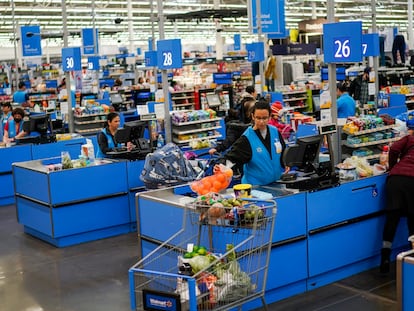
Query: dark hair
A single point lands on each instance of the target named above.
(6, 104)
(343, 86)
(21, 84)
(19, 111)
(261, 104)
(250, 89)
(110, 117)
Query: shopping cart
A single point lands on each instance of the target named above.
(229, 271)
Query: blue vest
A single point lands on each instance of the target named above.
(12, 128)
(111, 144)
(263, 168)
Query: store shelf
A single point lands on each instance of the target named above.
(183, 99)
(178, 132)
(294, 99)
(195, 139)
(373, 130)
(371, 143)
(89, 122)
(196, 122)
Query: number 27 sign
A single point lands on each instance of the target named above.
(169, 54)
(342, 42)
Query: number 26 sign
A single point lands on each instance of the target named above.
(342, 42)
(169, 54)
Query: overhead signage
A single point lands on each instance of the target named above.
(370, 44)
(342, 42)
(169, 54)
(71, 59)
(150, 58)
(31, 40)
(237, 42)
(272, 17)
(93, 62)
(90, 42)
(255, 52)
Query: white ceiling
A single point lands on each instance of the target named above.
(102, 14)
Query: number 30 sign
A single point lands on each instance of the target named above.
(342, 42)
(169, 54)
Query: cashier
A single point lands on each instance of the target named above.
(106, 137)
(14, 127)
(259, 149)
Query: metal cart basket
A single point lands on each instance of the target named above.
(214, 262)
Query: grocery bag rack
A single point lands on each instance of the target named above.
(231, 272)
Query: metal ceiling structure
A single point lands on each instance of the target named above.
(103, 13)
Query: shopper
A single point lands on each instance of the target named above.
(14, 127)
(400, 192)
(270, 71)
(359, 88)
(345, 104)
(259, 149)
(106, 138)
(246, 103)
(21, 97)
(275, 120)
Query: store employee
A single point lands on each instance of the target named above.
(259, 149)
(14, 127)
(106, 138)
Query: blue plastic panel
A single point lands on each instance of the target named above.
(13, 154)
(32, 184)
(88, 182)
(34, 215)
(290, 217)
(134, 169)
(347, 201)
(159, 220)
(345, 245)
(90, 216)
(43, 151)
(288, 264)
(6, 186)
(407, 285)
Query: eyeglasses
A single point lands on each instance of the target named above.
(263, 119)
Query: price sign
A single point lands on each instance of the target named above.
(342, 42)
(169, 54)
(370, 44)
(71, 59)
(255, 52)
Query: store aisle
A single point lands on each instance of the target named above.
(35, 276)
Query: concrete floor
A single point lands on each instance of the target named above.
(36, 276)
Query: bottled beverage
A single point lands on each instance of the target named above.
(383, 160)
(160, 141)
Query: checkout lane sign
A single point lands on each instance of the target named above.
(169, 54)
(342, 42)
(71, 59)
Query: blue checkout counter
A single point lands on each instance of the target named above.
(320, 236)
(27, 152)
(77, 205)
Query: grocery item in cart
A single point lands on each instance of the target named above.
(217, 182)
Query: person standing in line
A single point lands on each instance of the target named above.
(270, 71)
(400, 192)
(275, 120)
(259, 149)
(359, 88)
(246, 102)
(345, 104)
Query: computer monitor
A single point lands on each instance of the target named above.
(136, 129)
(142, 96)
(213, 100)
(37, 124)
(303, 153)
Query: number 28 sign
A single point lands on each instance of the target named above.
(342, 42)
(169, 54)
